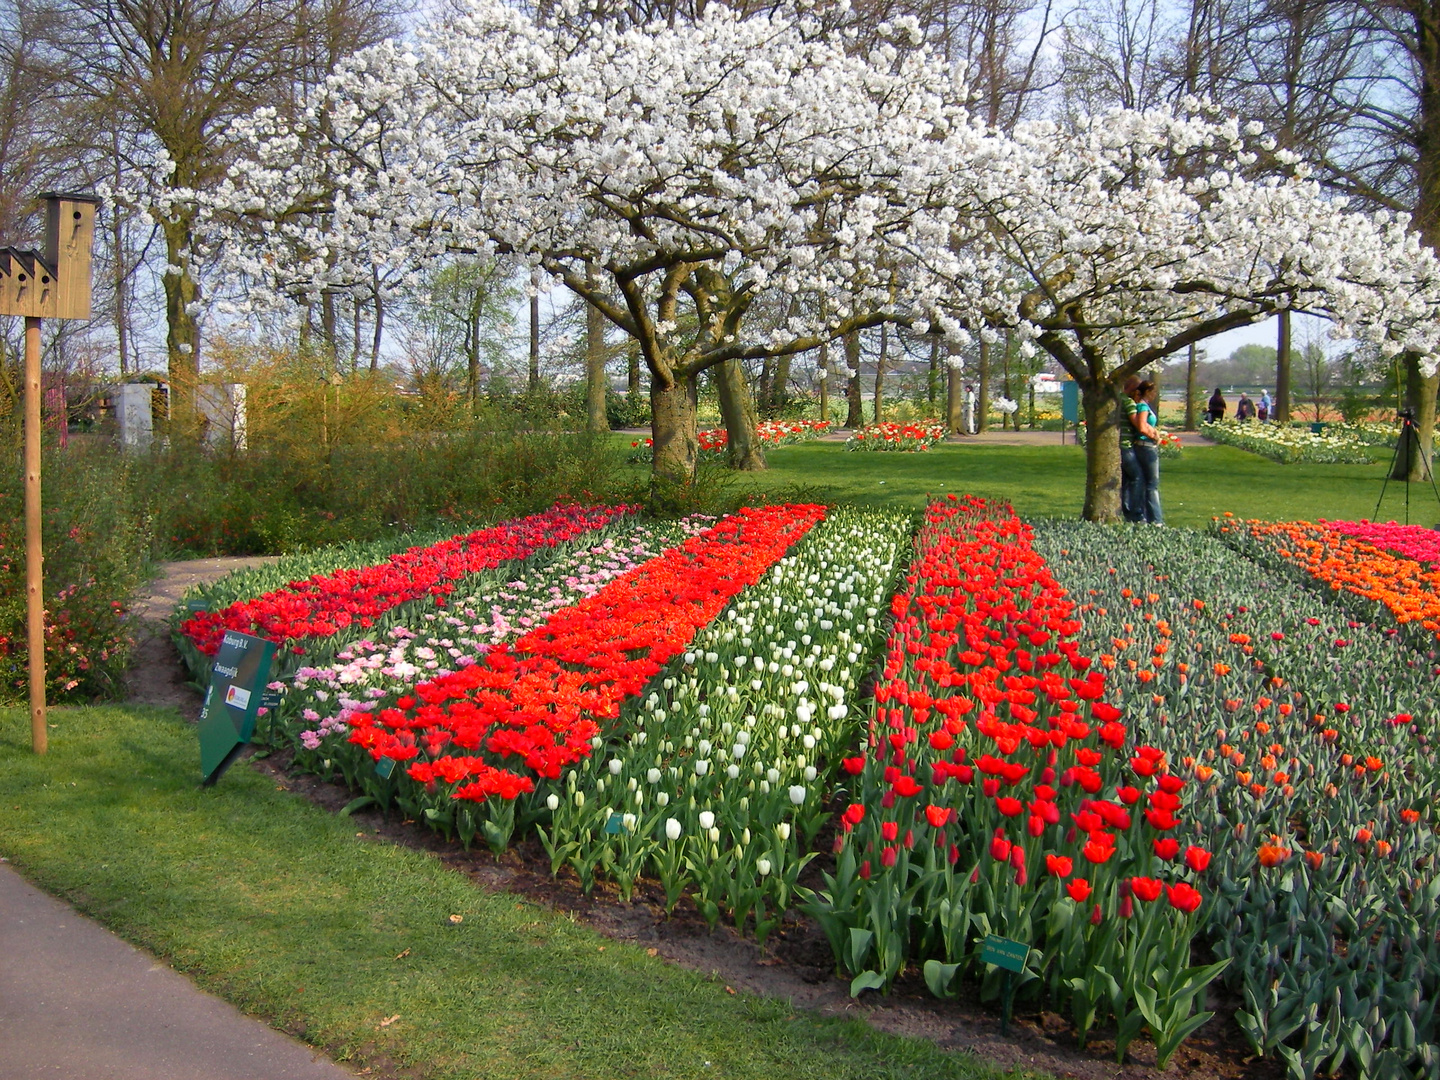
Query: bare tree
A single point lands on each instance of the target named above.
(170, 76)
(1114, 53)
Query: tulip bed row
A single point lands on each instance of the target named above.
(998, 793)
(901, 437)
(1369, 432)
(339, 605)
(438, 642)
(1305, 733)
(1290, 445)
(717, 781)
(1371, 582)
(1408, 541)
(715, 441)
(457, 749)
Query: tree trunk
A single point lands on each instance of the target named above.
(824, 381)
(1192, 388)
(982, 404)
(737, 409)
(854, 413)
(472, 359)
(1005, 382)
(673, 433)
(122, 304)
(379, 338)
(182, 334)
(632, 372)
(877, 405)
(533, 382)
(1101, 402)
(1412, 462)
(766, 400)
(932, 382)
(780, 388)
(596, 385)
(955, 401)
(1282, 370)
(354, 334)
(329, 330)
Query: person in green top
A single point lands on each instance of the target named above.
(1143, 501)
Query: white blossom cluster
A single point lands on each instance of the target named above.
(1112, 241)
(693, 168)
(696, 165)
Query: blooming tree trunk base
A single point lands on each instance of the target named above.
(737, 408)
(674, 432)
(1101, 402)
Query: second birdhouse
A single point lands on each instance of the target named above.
(53, 283)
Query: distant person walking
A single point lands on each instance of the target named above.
(1245, 409)
(969, 409)
(1215, 412)
(1143, 504)
(1267, 407)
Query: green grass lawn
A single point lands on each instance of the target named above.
(1049, 481)
(280, 907)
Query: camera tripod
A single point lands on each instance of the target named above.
(1408, 430)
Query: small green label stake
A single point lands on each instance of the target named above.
(1009, 956)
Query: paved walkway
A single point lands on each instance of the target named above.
(76, 1001)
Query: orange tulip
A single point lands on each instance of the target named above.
(1273, 854)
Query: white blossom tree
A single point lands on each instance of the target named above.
(670, 176)
(1135, 234)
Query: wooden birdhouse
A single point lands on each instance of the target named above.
(53, 283)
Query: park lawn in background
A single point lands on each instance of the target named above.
(1049, 482)
(280, 907)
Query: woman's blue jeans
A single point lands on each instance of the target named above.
(1143, 500)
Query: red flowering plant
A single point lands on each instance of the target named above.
(886, 436)
(999, 793)
(470, 742)
(715, 441)
(335, 606)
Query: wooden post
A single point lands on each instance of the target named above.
(34, 557)
(53, 284)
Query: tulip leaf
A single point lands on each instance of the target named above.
(938, 977)
(866, 980)
(357, 804)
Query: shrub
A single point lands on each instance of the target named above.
(96, 540)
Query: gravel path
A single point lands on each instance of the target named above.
(156, 675)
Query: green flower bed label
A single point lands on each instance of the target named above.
(1004, 953)
(234, 697)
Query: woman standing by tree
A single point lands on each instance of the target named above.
(1142, 502)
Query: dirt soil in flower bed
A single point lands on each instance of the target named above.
(796, 965)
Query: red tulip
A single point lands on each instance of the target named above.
(1060, 866)
(1146, 888)
(1197, 858)
(1183, 897)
